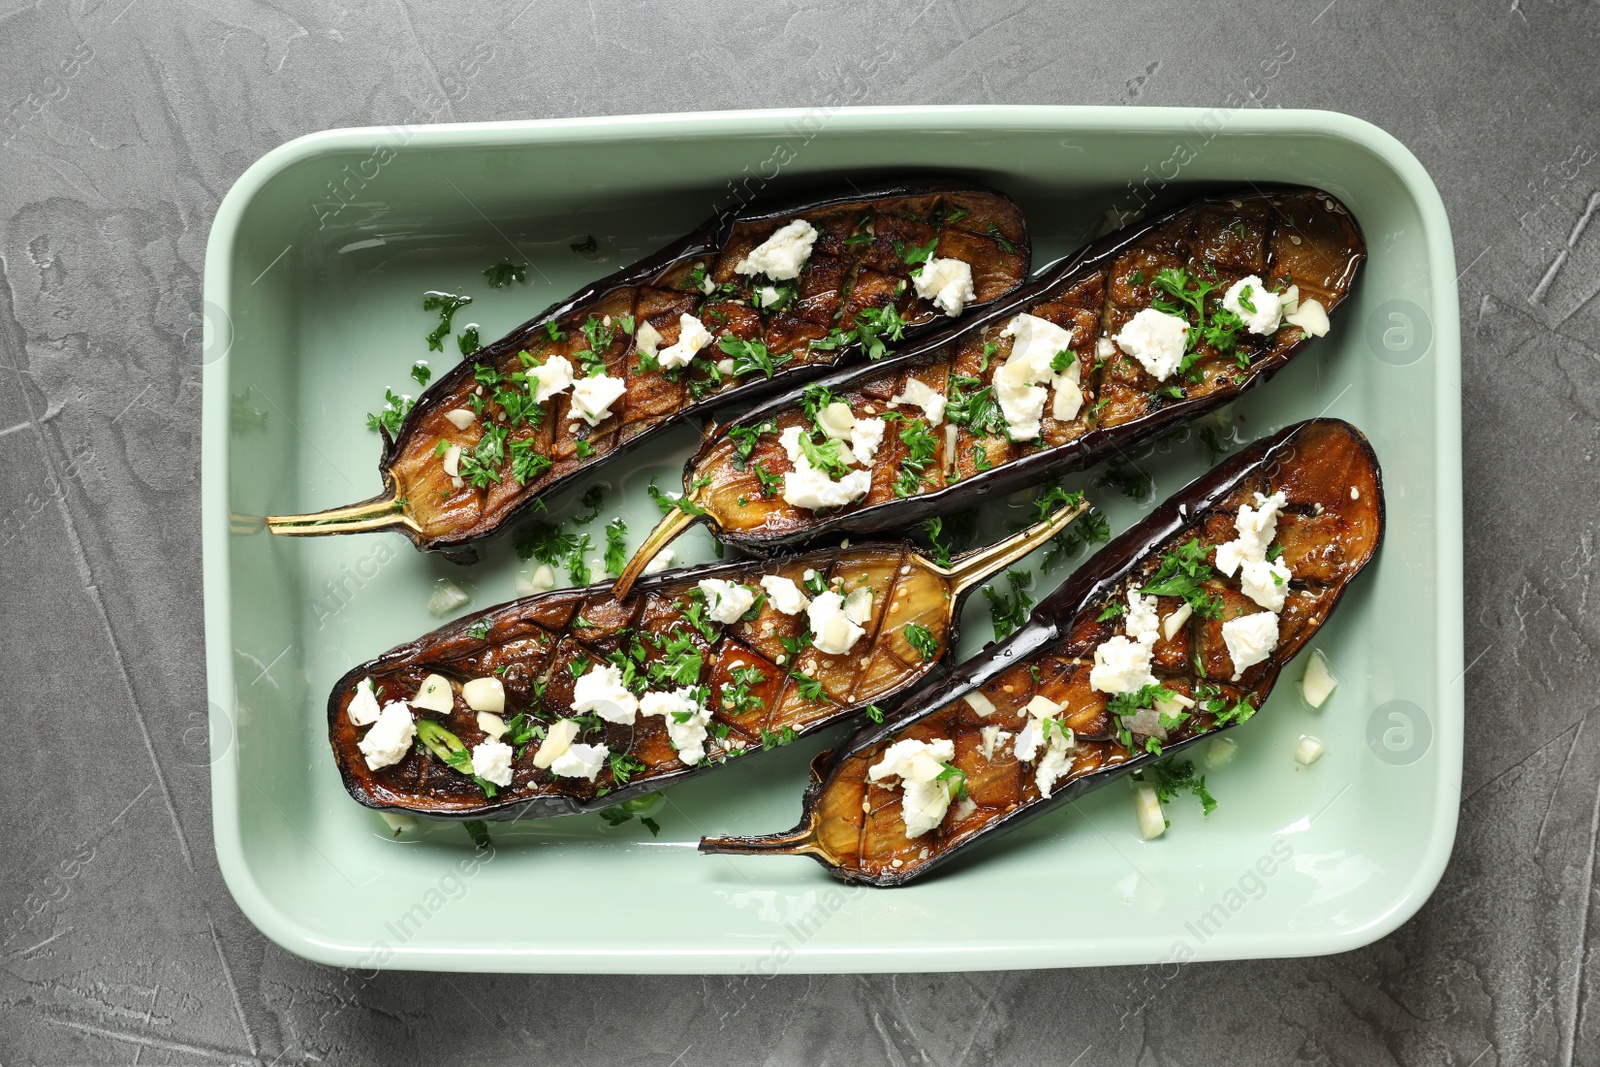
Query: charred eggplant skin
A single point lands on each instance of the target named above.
(1051, 623)
(532, 643)
(1085, 450)
(705, 243)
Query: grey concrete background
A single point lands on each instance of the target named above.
(123, 124)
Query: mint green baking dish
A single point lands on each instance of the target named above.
(316, 264)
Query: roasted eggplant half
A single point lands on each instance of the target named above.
(769, 294)
(1141, 331)
(1175, 631)
(572, 701)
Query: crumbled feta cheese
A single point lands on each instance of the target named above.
(807, 487)
(692, 337)
(602, 692)
(556, 741)
(768, 295)
(1029, 738)
(1264, 581)
(865, 437)
(831, 631)
(661, 561)
(726, 602)
(946, 282)
(1250, 639)
(452, 460)
(1257, 526)
(1057, 758)
(989, 738)
(1174, 622)
(1139, 620)
(390, 737)
(434, 694)
(1310, 317)
(1155, 339)
(491, 724)
(460, 418)
(580, 761)
(1268, 306)
(963, 810)
(593, 396)
(781, 256)
(858, 605)
(790, 440)
(553, 376)
(918, 765)
(491, 761)
(686, 721)
(1021, 403)
(647, 339)
(1036, 344)
(364, 709)
(485, 694)
(1318, 682)
(783, 594)
(1121, 666)
(918, 393)
(1104, 348)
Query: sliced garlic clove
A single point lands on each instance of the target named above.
(434, 694)
(484, 694)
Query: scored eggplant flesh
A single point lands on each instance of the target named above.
(1329, 529)
(866, 248)
(538, 646)
(1300, 237)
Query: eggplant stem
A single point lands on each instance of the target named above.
(379, 513)
(797, 842)
(979, 566)
(672, 524)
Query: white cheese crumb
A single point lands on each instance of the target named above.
(460, 418)
(1250, 639)
(781, 256)
(918, 765)
(807, 487)
(831, 631)
(602, 692)
(554, 376)
(918, 393)
(580, 761)
(989, 738)
(783, 594)
(1036, 342)
(1256, 526)
(1156, 340)
(364, 708)
(686, 721)
(725, 601)
(1264, 581)
(593, 396)
(692, 337)
(946, 282)
(491, 761)
(768, 295)
(1263, 321)
(1139, 620)
(1121, 666)
(865, 437)
(390, 737)
(661, 561)
(485, 694)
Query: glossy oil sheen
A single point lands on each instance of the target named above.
(313, 283)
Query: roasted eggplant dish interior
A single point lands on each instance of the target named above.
(573, 700)
(1146, 329)
(1176, 630)
(771, 293)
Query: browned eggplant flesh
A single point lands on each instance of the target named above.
(573, 700)
(1176, 630)
(766, 294)
(1146, 329)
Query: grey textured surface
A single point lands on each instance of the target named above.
(121, 127)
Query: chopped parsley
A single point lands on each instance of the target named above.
(421, 372)
(502, 275)
(446, 304)
(616, 547)
(526, 464)
(920, 447)
(1170, 779)
(1127, 480)
(682, 503)
(919, 638)
(829, 457)
(468, 341)
(770, 483)
(1008, 609)
(1000, 239)
(1183, 572)
(750, 356)
(744, 441)
(394, 412)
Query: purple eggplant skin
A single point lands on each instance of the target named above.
(713, 459)
(1068, 623)
(420, 502)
